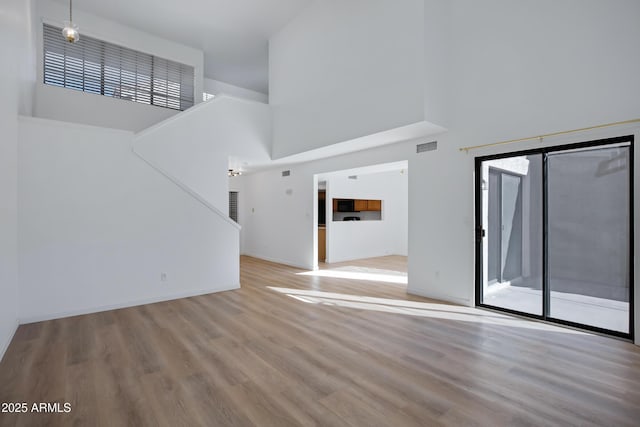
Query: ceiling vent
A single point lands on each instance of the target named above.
(286, 173)
(427, 146)
(353, 176)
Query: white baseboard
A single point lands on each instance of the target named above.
(279, 261)
(60, 315)
(5, 345)
(440, 297)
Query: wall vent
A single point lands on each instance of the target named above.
(427, 146)
(286, 173)
(353, 176)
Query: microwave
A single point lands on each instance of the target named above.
(346, 205)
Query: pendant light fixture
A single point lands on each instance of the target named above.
(70, 31)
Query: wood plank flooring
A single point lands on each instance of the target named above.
(300, 350)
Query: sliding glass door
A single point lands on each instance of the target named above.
(554, 234)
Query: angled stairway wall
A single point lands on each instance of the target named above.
(194, 147)
(98, 226)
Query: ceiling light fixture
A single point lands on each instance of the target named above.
(234, 172)
(70, 31)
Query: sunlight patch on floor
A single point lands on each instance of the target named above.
(361, 273)
(415, 308)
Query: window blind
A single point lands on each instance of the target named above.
(103, 68)
(233, 205)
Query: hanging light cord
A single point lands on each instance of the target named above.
(70, 11)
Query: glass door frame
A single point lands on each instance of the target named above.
(480, 231)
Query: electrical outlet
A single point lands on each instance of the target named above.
(163, 277)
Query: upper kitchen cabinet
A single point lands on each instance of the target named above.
(374, 205)
(361, 205)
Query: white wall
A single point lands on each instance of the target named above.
(348, 240)
(74, 106)
(98, 226)
(346, 69)
(437, 61)
(195, 146)
(217, 87)
(16, 87)
(279, 211)
(79, 107)
(550, 66)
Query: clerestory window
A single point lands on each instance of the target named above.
(103, 68)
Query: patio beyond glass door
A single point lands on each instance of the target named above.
(511, 190)
(554, 234)
(589, 237)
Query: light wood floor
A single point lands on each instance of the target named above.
(302, 355)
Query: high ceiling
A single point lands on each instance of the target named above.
(233, 34)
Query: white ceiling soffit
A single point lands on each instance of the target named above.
(392, 136)
(234, 35)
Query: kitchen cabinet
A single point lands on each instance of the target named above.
(374, 205)
(361, 205)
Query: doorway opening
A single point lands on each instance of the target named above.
(361, 223)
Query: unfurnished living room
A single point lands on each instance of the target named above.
(319, 212)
